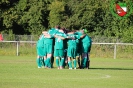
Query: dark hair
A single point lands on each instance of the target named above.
(57, 26)
(73, 30)
(64, 30)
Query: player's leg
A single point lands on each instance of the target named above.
(78, 60)
(84, 60)
(69, 55)
(66, 61)
(44, 60)
(84, 56)
(49, 60)
(57, 62)
(88, 64)
(52, 61)
(52, 58)
(61, 54)
(40, 53)
(75, 63)
(74, 53)
(69, 63)
(57, 58)
(88, 61)
(38, 61)
(49, 55)
(45, 55)
(65, 58)
(78, 56)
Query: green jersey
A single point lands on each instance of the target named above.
(40, 42)
(61, 34)
(52, 32)
(48, 41)
(59, 43)
(78, 34)
(86, 40)
(73, 42)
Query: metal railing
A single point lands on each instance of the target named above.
(113, 45)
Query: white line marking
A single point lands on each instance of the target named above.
(101, 76)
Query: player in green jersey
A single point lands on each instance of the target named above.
(79, 36)
(48, 49)
(72, 50)
(40, 51)
(59, 48)
(86, 47)
(78, 56)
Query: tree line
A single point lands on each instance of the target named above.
(34, 16)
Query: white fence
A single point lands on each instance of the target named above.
(17, 44)
(34, 42)
(115, 46)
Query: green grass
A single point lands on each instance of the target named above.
(22, 72)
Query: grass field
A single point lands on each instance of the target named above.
(22, 72)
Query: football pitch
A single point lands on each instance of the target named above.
(22, 72)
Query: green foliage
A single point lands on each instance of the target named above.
(29, 15)
(56, 12)
(33, 16)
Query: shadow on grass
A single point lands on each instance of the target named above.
(112, 68)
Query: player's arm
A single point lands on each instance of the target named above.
(69, 37)
(90, 45)
(44, 32)
(47, 36)
(56, 36)
(82, 36)
(70, 33)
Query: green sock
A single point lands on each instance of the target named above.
(57, 61)
(62, 62)
(41, 62)
(75, 63)
(45, 62)
(70, 64)
(49, 62)
(84, 63)
(38, 62)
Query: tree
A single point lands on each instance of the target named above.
(56, 9)
(27, 16)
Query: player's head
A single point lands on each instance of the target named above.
(82, 31)
(57, 27)
(73, 31)
(63, 30)
(76, 30)
(66, 31)
(85, 31)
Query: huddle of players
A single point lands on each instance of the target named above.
(67, 47)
